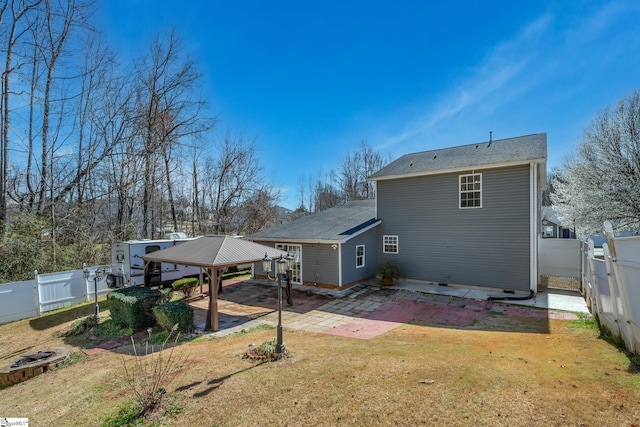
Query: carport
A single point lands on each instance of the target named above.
(213, 253)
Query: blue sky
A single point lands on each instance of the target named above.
(310, 80)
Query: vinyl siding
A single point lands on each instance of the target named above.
(438, 242)
(352, 274)
(320, 264)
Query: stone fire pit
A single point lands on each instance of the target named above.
(32, 364)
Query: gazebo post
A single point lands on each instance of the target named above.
(211, 323)
(213, 300)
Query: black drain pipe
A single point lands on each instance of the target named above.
(514, 298)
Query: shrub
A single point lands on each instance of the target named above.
(389, 271)
(133, 306)
(176, 312)
(83, 325)
(185, 285)
(149, 377)
(266, 351)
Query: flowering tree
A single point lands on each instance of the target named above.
(601, 180)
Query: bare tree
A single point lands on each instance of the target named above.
(325, 195)
(350, 182)
(105, 144)
(259, 211)
(601, 179)
(301, 193)
(18, 27)
(195, 199)
(58, 24)
(169, 111)
(234, 177)
(355, 169)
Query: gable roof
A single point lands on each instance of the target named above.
(482, 155)
(334, 225)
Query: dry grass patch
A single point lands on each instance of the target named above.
(413, 375)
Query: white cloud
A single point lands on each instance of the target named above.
(484, 85)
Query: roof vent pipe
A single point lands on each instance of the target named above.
(490, 138)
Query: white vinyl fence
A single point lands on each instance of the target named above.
(560, 257)
(46, 292)
(611, 286)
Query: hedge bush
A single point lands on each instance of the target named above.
(185, 285)
(133, 306)
(170, 313)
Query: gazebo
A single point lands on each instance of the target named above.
(213, 253)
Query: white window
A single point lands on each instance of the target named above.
(547, 231)
(390, 244)
(471, 191)
(359, 256)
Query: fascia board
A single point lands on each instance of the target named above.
(289, 240)
(364, 230)
(460, 169)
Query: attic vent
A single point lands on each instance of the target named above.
(476, 145)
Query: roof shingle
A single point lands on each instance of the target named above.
(483, 154)
(333, 225)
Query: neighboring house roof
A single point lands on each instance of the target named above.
(550, 215)
(335, 225)
(496, 153)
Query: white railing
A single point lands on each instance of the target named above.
(46, 292)
(611, 286)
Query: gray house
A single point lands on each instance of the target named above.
(333, 248)
(465, 215)
(552, 227)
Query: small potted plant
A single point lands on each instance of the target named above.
(388, 272)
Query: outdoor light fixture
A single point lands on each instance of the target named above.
(283, 264)
(99, 274)
(282, 269)
(290, 258)
(266, 264)
(86, 273)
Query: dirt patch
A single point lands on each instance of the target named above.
(557, 282)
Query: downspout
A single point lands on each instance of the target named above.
(533, 233)
(340, 264)
(512, 298)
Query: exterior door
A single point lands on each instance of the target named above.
(296, 265)
(154, 269)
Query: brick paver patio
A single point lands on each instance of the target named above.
(364, 314)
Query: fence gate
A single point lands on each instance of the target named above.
(560, 263)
